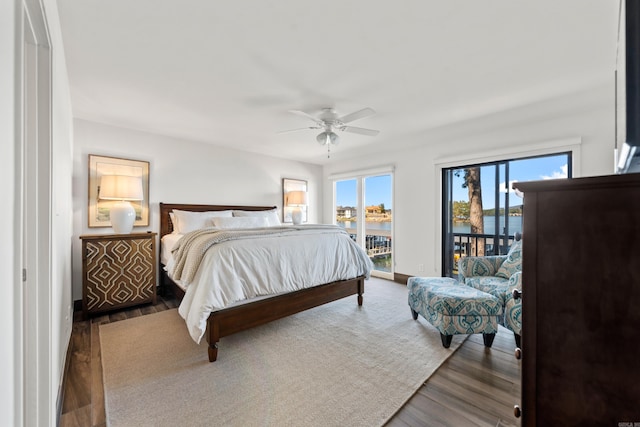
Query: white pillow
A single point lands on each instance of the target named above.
(174, 221)
(187, 221)
(273, 220)
(240, 222)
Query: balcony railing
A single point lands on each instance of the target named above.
(378, 246)
(467, 244)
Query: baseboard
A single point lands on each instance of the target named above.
(400, 278)
(77, 311)
(63, 383)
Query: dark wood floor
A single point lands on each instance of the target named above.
(474, 387)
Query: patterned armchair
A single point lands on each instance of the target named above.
(481, 273)
(513, 307)
(493, 275)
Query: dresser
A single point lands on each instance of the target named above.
(581, 302)
(118, 270)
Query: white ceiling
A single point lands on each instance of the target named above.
(227, 72)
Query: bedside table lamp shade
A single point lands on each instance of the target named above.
(297, 199)
(121, 188)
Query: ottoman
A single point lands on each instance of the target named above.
(453, 308)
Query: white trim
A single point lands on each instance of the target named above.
(34, 174)
(570, 144)
(359, 176)
(381, 170)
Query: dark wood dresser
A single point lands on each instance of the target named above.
(581, 302)
(118, 270)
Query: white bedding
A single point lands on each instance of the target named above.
(237, 270)
(169, 241)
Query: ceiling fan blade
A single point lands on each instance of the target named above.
(299, 129)
(308, 116)
(361, 131)
(365, 112)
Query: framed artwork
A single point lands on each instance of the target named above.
(99, 209)
(289, 185)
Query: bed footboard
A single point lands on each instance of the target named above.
(235, 319)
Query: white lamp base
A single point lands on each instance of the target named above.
(122, 217)
(296, 216)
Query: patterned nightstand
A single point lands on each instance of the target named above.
(118, 270)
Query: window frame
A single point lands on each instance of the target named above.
(571, 145)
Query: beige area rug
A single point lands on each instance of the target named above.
(334, 365)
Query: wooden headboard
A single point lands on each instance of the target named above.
(166, 227)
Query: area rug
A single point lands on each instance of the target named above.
(334, 365)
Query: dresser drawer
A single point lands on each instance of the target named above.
(118, 271)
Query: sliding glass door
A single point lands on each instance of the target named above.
(481, 213)
(369, 197)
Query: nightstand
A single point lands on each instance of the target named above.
(118, 270)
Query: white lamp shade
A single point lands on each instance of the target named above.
(120, 187)
(297, 198)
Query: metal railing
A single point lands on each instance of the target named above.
(377, 242)
(467, 244)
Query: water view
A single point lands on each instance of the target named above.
(369, 225)
(515, 225)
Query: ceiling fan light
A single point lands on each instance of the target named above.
(322, 138)
(325, 138)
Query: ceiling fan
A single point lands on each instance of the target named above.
(329, 121)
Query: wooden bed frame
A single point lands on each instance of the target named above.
(240, 317)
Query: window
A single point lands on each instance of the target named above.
(481, 213)
(368, 196)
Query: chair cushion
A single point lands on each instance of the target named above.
(513, 263)
(496, 286)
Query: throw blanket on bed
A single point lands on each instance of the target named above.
(190, 250)
(223, 267)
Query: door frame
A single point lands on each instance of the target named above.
(360, 177)
(35, 395)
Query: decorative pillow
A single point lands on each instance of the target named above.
(273, 220)
(187, 221)
(240, 222)
(513, 263)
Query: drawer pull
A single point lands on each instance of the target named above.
(517, 411)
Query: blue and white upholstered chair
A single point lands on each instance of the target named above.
(513, 307)
(495, 275)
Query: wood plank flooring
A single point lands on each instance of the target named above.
(474, 387)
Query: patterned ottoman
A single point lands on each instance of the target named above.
(454, 308)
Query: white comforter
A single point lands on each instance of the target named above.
(237, 270)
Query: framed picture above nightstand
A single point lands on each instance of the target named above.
(118, 270)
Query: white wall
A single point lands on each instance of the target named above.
(61, 205)
(586, 117)
(183, 172)
(55, 339)
(8, 311)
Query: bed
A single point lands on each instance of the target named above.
(238, 317)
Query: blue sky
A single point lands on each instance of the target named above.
(535, 169)
(378, 188)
